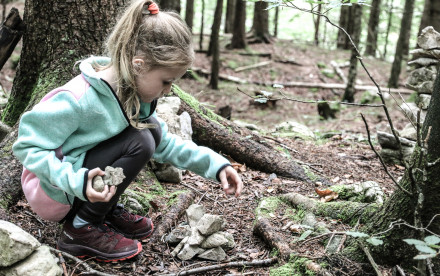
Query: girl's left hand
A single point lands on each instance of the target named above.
(231, 181)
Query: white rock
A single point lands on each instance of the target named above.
(210, 224)
(214, 254)
(194, 213)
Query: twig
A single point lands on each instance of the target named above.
(35, 217)
(63, 264)
(400, 270)
(381, 160)
(370, 258)
(224, 265)
(198, 202)
(89, 270)
(197, 191)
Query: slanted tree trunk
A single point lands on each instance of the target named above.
(351, 79)
(72, 30)
(260, 26)
(238, 40)
(402, 43)
(230, 14)
(215, 45)
(431, 15)
(373, 28)
(189, 13)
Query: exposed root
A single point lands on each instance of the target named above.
(264, 229)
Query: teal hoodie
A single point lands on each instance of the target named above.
(55, 135)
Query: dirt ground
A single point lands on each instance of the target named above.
(345, 157)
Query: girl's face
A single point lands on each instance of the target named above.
(155, 83)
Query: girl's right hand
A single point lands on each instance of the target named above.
(92, 194)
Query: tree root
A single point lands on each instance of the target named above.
(169, 220)
(222, 266)
(343, 210)
(264, 229)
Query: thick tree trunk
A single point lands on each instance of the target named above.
(260, 26)
(221, 135)
(402, 43)
(230, 14)
(317, 21)
(431, 15)
(189, 13)
(352, 73)
(215, 45)
(10, 34)
(346, 22)
(373, 28)
(72, 30)
(239, 34)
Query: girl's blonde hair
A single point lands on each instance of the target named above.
(162, 40)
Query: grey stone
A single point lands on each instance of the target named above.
(179, 247)
(411, 109)
(15, 243)
(196, 238)
(168, 173)
(189, 251)
(409, 132)
(420, 75)
(214, 240)
(185, 126)
(294, 129)
(210, 224)
(231, 243)
(112, 177)
(321, 228)
(423, 101)
(40, 262)
(168, 105)
(246, 125)
(309, 220)
(387, 141)
(393, 156)
(429, 38)
(178, 234)
(194, 213)
(4, 130)
(214, 254)
(373, 192)
(333, 244)
(424, 61)
(417, 53)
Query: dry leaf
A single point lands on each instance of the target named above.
(336, 179)
(270, 189)
(239, 167)
(329, 197)
(323, 193)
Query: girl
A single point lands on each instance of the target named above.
(106, 117)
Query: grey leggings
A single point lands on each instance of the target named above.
(130, 150)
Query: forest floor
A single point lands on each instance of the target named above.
(345, 157)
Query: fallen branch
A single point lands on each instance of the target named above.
(89, 270)
(338, 71)
(170, 219)
(260, 64)
(222, 266)
(372, 262)
(264, 229)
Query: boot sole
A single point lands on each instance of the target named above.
(81, 251)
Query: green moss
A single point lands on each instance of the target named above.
(295, 214)
(310, 174)
(267, 206)
(172, 198)
(295, 267)
(4, 203)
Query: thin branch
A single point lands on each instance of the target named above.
(381, 160)
(372, 262)
(401, 222)
(222, 266)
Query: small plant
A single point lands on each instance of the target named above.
(428, 248)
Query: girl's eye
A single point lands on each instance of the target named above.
(166, 83)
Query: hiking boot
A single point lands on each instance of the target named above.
(97, 241)
(129, 225)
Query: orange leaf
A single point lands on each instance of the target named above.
(323, 193)
(329, 197)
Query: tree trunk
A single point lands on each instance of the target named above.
(72, 31)
(202, 19)
(390, 17)
(260, 26)
(401, 206)
(275, 22)
(317, 21)
(189, 13)
(431, 15)
(10, 34)
(239, 34)
(352, 73)
(230, 14)
(346, 22)
(373, 28)
(170, 5)
(215, 45)
(240, 144)
(402, 43)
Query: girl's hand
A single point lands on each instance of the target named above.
(231, 181)
(92, 194)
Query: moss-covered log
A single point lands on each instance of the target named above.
(241, 144)
(265, 230)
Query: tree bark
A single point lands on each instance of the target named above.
(240, 144)
(260, 26)
(189, 13)
(239, 34)
(10, 34)
(402, 43)
(72, 31)
(352, 73)
(345, 21)
(431, 15)
(230, 14)
(390, 17)
(215, 45)
(373, 28)
(275, 22)
(317, 22)
(202, 19)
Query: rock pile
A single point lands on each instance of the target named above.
(202, 235)
(421, 79)
(112, 177)
(22, 255)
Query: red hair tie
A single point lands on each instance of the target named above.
(153, 8)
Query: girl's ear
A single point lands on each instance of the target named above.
(138, 64)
